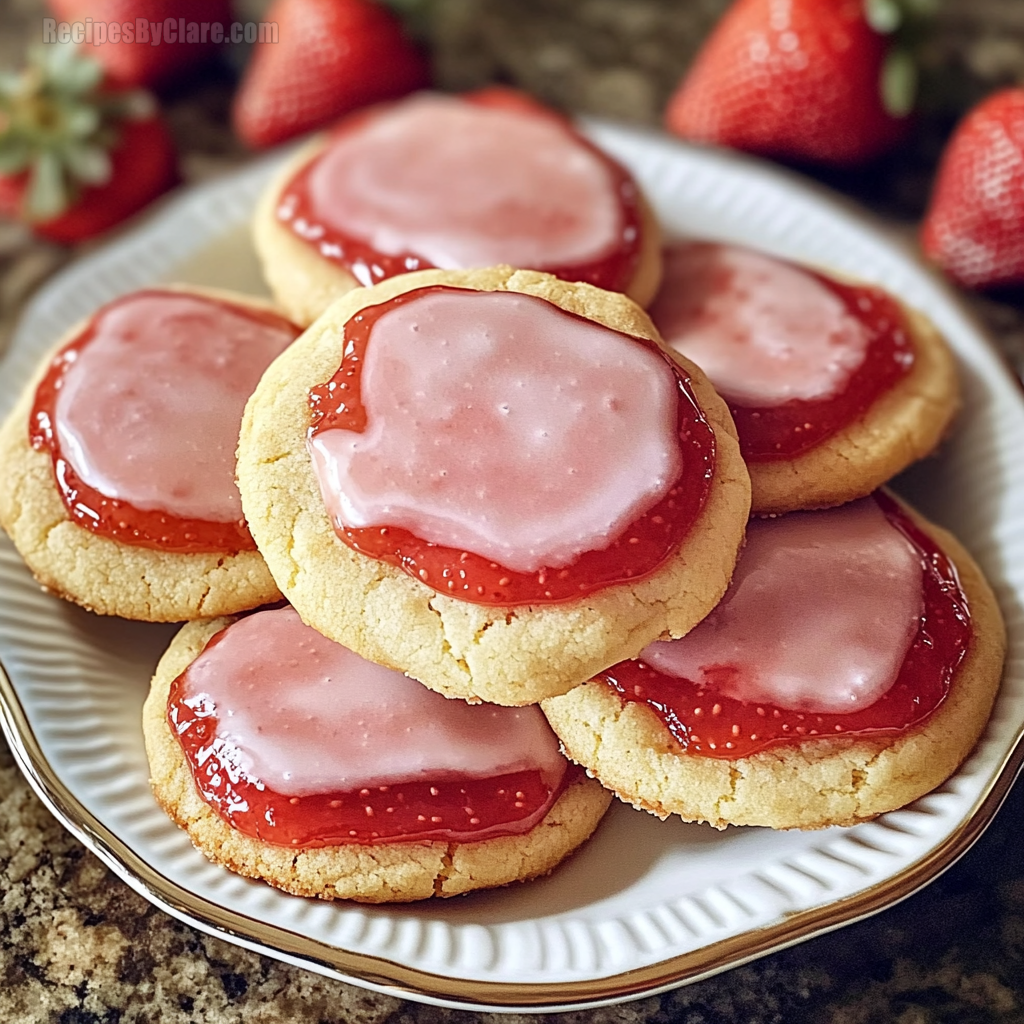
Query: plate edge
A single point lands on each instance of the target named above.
(640, 982)
(391, 978)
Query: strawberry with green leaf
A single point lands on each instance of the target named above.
(77, 156)
(825, 81)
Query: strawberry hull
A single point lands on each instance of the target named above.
(143, 166)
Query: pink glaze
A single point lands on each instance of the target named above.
(819, 616)
(501, 425)
(303, 715)
(150, 409)
(764, 332)
(505, 187)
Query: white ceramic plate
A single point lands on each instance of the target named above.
(646, 905)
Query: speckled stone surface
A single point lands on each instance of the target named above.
(77, 946)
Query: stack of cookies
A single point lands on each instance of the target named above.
(486, 554)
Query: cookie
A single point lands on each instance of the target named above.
(452, 182)
(312, 754)
(844, 767)
(118, 479)
(509, 651)
(834, 386)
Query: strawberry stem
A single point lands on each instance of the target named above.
(58, 125)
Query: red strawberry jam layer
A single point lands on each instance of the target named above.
(141, 413)
(504, 451)
(440, 181)
(797, 356)
(849, 622)
(294, 740)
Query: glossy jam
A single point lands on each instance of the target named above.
(881, 355)
(612, 267)
(397, 763)
(637, 551)
(705, 722)
(116, 517)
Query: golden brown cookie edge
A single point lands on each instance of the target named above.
(305, 283)
(382, 873)
(102, 574)
(905, 424)
(827, 782)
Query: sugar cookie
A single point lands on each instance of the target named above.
(452, 182)
(835, 387)
(440, 605)
(328, 776)
(118, 461)
(849, 670)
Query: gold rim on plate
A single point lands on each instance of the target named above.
(399, 980)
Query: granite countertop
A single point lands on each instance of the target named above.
(77, 946)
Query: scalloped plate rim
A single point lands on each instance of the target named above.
(379, 973)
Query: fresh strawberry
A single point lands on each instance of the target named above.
(974, 227)
(77, 156)
(148, 61)
(333, 56)
(797, 79)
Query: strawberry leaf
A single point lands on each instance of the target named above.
(884, 16)
(899, 82)
(136, 105)
(58, 123)
(80, 121)
(10, 84)
(67, 70)
(88, 164)
(15, 155)
(46, 196)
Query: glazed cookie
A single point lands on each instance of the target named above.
(287, 757)
(849, 670)
(834, 386)
(117, 464)
(505, 486)
(452, 182)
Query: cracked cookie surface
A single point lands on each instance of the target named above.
(813, 785)
(100, 573)
(509, 656)
(382, 873)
